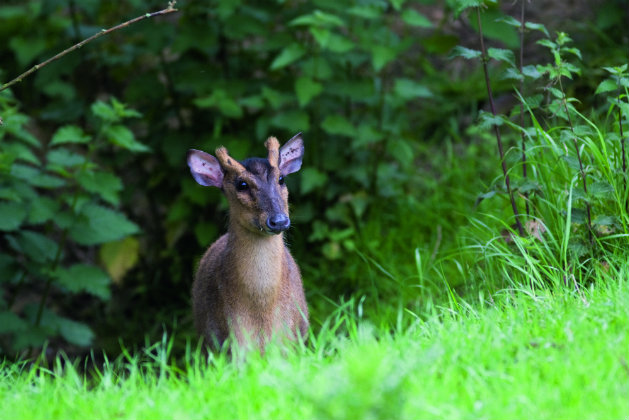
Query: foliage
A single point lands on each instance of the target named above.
(55, 205)
(392, 167)
(571, 224)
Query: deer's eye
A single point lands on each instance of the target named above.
(281, 181)
(242, 186)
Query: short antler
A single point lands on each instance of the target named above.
(227, 162)
(273, 147)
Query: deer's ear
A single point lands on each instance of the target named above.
(291, 155)
(204, 168)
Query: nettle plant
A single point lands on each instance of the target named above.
(57, 204)
(563, 173)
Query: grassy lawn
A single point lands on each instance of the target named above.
(524, 354)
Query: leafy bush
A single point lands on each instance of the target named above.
(57, 202)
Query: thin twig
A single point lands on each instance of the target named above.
(169, 9)
(484, 59)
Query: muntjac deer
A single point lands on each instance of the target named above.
(248, 285)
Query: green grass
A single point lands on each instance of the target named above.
(519, 354)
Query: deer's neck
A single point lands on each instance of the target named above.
(258, 262)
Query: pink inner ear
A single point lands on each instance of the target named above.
(291, 155)
(205, 169)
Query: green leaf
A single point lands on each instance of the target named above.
(12, 215)
(606, 221)
(528, 186)
(494, 28)
(510, 20)
(75, 332)
(289, 55)
(512, 73)
(69, 134)
(223, 101)
(410, 89)
(321, 35)
(311, 179)
(367, 134)
(275, 98)
(20, 151)
(367, 11)
(317, 18)
(27, 49)
(402, 151)
(123, 137)
(572, 162)
(381, 55)
(60, 90)
(105, 184)
(414, 18)
(606, 86)
(339, 44)
(254, 102)
(464, 52)
(98, 224)
(337, 124)
(118, 257)
(42, 210)
(122, 111)
(36, 177)
(331, 41)
(547, 43)
(84, 278)
(293, 121)
(34, 245)
(536, 27)
(577, 248)
(306, 89)
(105, 112)
(488, 120)
(501, 54)
(531, 71)
(10, 270)
(397, 4)
(63, 158)
(461, 5)
(618, 70)
(601, 189)
(11, 323)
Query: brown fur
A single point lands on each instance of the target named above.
(248, 284)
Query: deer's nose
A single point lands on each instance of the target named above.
(278, 223)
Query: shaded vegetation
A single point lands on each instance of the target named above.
(400, 203)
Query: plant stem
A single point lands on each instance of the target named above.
(622, 146)
(622, 141)
(484, 60)
(576, 148)
(169, 9)
(53, 267)
(523, 137)
(64, 236)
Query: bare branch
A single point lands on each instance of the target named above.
(169, 9)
